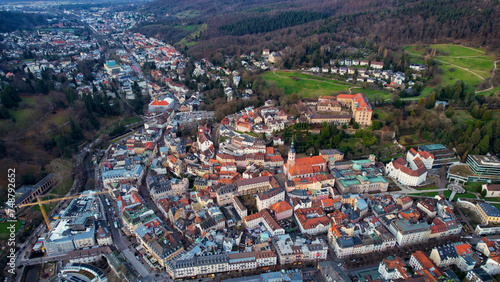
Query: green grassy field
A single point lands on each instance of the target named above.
(307, 85)
(372, 93)
(4, 232)
(428, 188)
(188, 27)
(446, 49)
(481, 65)
(495, 90)
(187, 14)
(453, 74)
(309, 76)
(122, 136)
(22, 115)
(58, 118)
(196, 30)
(130, 120)
(303, 84)
(462, 116)
(451, 57)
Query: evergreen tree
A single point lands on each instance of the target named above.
(488, 115)
(484, 144)
(431, 101)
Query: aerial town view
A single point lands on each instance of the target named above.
(215, 140)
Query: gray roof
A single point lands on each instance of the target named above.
(203, 260)
(482, 274)
(489, 209)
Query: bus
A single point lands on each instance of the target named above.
(107, 202)
(116, 225)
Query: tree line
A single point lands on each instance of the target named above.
(269, 23)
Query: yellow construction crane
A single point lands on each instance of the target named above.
(40, 203)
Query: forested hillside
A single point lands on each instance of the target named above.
(235, 26)
(426, 21)
(13, 21)
(265, 24)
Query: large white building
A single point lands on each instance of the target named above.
(373, 240)
(266, 219)
(266, 199)
(426, 158)
(299, 249)
(400, 170)
(135, 173)
(410, 233)
(210, 264)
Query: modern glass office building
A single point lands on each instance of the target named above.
(484, 165)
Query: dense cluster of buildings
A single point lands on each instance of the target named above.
(225, 200)
(394, 222)
(362, 70)
(431, 267)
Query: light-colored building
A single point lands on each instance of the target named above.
(112, 68)
(458, 254)
(420, 261)
(225, 194)
(282, 210)
(488, 213)
(241, 261)
(267, 220)
(240, 208)
(299, 249)
(197, 266)
(426, 158)
(407, 233)
(332, 154)
(361, 108)
(328, 104)
(376, 240)
(103, 237)
(479, 275)
(312, 221)
(84, 239)
(274, 57)
(393, 268)
(267, 198)
(492, 190)
(399, 170)
(253, 185)
(266, 258)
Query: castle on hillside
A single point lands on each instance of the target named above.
(337, 109)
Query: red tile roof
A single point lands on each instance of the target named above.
(310, 223)
(280, 207)
(464, 249)
(159, 103)
(307, 165)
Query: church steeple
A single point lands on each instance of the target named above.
(291, 157)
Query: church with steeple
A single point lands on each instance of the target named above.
(303, 167)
